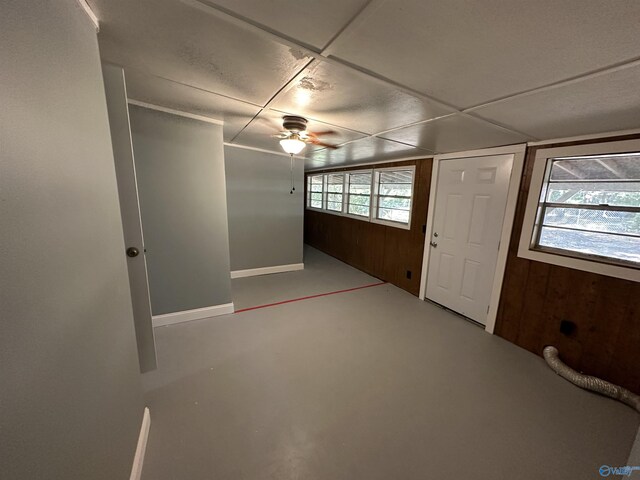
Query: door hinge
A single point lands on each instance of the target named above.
(488, 307)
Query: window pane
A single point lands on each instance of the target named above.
(392, 202)
(334, 197)
(396, 176)
(359, 194)
(360, 179)
(334, 206)
(399, 189)
(626, 194)
(316, 203)
(360, 189)
(359, 200)
(316, 188)
(595, 220)
(335, 182)
(316, 179)
(597, 167)
(361, 210)
(592, 243)
(393, 215)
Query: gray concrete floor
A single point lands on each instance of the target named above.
(369, 384)
(322, 274)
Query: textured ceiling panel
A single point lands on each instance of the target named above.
(157, 91)
(455, 133)
(312, 23)
(367, 149)
(176, 41)
(268, 122)
(467, 52)
(604, 103)
(341, 96)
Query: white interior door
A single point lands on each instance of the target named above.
(116, 94)
(470, 201)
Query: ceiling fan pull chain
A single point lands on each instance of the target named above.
(292, 186)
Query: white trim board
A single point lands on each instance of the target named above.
(179, 113)
(195, 314)
(518, 151)
(138, 459)
(92, 16)
(252, 272)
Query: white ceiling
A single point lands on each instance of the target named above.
(392, 78)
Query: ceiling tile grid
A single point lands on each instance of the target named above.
(390, 78)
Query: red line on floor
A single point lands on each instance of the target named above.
(310, 296)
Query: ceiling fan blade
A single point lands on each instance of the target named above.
(317, 142)
(321, 133)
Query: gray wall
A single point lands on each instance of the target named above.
(70, 397)
(265, 221)
(181, 182)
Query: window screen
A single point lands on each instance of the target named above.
(359, 194)
(335, 187)
(315, 191)
(394, 189)
(590, 208)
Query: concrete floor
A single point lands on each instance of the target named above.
(322, 274)
(369, 384)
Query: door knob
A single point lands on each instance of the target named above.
(433, 244)
(435, 234)
(132, 252)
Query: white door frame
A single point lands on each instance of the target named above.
(518, 152)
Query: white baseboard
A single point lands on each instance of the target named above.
(138, 459)
(189, 315)
(252, 272)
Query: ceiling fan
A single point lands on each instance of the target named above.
(295, 137)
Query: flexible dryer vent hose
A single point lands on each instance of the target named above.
(588, 382)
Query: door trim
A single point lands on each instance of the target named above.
(518, 151)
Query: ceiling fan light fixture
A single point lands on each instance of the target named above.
(292, 145)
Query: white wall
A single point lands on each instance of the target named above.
(265, 220)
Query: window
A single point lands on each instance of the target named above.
(335, 188)
(587, 208)
(359, 202)
(380, 195)
(394, 189)
(315, 189)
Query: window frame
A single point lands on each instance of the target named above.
(531, 225)
(308, 202)
(325, 204)
(373, 213)
(347, 184)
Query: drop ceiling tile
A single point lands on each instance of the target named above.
(268, 122)
(455, 133)
(604, 103)
(367, 149)
(165, 93)
(173, 40)
(467, 52)
(341, 96)
(312, 23)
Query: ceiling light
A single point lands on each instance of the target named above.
(292, 145)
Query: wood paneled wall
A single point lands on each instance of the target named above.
(536, 297)
(384, 252)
